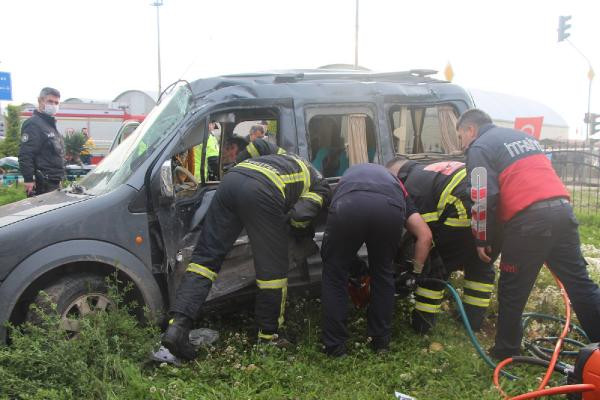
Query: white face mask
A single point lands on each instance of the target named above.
(51, 109)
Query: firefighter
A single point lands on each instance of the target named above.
(524, 193)
(439, 193)
(267, 195)
(369, 206)
(259, 147)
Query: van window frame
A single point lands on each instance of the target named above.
(333, 108)
(394, 107)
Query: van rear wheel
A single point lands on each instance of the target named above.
(72, 297)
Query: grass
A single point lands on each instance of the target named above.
(107, 361)
(10, 194)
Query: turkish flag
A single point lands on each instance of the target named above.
(530, 125)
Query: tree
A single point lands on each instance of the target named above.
(10, 146)
(74, 145)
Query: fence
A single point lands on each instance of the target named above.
(578, 165)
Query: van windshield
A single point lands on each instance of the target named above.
(118, 166)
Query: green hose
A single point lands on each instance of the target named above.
(472, 336)
(527, 317)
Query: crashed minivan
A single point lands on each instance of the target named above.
(140, 212)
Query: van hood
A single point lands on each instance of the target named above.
(27, 208)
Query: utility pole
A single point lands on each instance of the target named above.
(157, 4)
(563, 35)
(356, 38)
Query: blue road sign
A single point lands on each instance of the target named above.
(5, 86)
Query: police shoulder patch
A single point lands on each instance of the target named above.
(24, 138)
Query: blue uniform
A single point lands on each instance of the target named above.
(369, 206)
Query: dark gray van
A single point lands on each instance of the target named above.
(140, 211)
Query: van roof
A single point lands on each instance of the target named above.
(333, 84)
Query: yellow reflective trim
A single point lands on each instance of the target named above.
(299, 224)
(272, 284)
(171, 321)
(306, 175)
(314, 197)
(273, 177)
(292, 178)
(252, 150)
(448, 190)
(430, 217)
(476, 301)
(456, 222)
(280, 320)
(202, 270)
(430, 308)
(430, 294)
(265, 336)
(479, 286)
(281, 151)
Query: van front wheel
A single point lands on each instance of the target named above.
(71, 297)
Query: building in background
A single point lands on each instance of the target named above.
(101, 118)
(504, 109)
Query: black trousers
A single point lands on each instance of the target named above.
(354, 219)
(456, 248)
(241, 201)
(546, 233)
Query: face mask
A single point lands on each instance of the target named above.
(51, 109)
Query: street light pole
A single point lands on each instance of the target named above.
(157, 4)
(356, 38)
(590, 76)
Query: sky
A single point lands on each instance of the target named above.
(96, 49)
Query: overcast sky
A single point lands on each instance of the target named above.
(99, 48)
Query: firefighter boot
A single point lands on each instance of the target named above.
(422, 321)
(177, 337)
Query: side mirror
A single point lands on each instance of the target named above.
(167, 188)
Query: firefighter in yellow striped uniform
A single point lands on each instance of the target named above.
(268, 195)
(439, 191)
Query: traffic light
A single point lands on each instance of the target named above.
(563, 26)
(594, 122)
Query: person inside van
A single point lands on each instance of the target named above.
(256, 132)
(233, 146)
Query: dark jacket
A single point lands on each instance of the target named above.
(374, 178)
(439, 192)
(302, 187)
(42, 148)
(518, 174)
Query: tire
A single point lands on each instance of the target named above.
(71, 297)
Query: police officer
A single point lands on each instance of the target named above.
(41, 154)
(439, 191)
(369, 206)
(267, 195)
(524, 193)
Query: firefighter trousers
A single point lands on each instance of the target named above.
(543, 233)
(456, 248)
(356, 218)
(241, 202)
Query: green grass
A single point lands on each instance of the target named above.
(589, 228)
(10, 194)
(107, 361)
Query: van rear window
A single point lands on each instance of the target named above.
(430, 129)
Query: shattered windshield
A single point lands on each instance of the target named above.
(118, 166)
